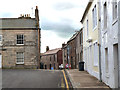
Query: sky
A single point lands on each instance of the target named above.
(59, 19)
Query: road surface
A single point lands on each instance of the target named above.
(25, 78)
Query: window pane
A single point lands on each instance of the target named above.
(20, 57)
(20, 39)
(0, 37)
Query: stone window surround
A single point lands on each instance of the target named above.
(20, 39)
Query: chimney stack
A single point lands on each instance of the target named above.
(47, 48)
(37, 14)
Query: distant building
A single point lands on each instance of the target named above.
(20, 42)
(71, 52)
(64, 54)
(51, 59)
(79, 47)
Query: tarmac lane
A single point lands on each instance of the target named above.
(33, 79)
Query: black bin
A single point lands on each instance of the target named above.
(81, 66)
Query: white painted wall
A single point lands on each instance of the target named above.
(109, 37)
(119, 38)
(0, 61)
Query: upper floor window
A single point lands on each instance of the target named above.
(114, 9)
(87, 29)
(105, 15)
(0, 38)
(81, 39)
(94, 15)
(20, 39)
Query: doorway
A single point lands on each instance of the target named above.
(115, 54)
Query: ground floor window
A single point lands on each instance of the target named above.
(20, 58)
(96, 54)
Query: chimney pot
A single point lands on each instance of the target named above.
(36, 7)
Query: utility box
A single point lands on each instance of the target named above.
(81, 66)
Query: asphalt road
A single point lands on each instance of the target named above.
(25, 78)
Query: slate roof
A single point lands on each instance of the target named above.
(73, 37)
(10, 23)
(53, 51)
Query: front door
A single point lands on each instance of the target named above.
(116, 65)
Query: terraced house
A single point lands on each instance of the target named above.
(20, 42)
(110, 27)
(90, 21)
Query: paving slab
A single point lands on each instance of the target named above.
(82, 79)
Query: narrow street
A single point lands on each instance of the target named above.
(24, 78)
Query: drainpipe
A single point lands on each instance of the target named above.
(99, 37)
(119, 43)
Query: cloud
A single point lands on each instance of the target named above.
(6, 14)
(64, 6)
(49, 38)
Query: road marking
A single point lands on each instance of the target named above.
(62, 83)
(65, 80)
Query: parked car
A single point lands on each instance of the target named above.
(66, 66)
(61, 66)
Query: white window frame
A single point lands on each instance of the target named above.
(1, 40)
(114, 8)
(17, 39)
(19, 58)
(87, 28)
(105, 15)
(94, 16)
(96, 54)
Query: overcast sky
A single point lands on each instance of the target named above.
(59, 19)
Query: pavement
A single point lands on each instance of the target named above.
(82, 79)
(32, 79)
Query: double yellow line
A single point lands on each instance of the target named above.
(65, 80)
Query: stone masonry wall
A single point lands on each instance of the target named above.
(29, 48)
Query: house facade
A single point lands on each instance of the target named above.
(79, 47)
(110, 49)
(51, 59)
(20, 42)
(71, 51)
(64, 54)
(90, 21)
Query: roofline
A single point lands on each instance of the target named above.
(20, 28)
(15, 18)
(49, 54)
(86, 10)
(75, 36)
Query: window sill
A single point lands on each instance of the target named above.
(1, 44)
(20, 44)
(20, 63)
(95, 28)
(95, 65)
(115, 21)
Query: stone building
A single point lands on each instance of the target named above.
(20, 42)
(51, 59)
(71, 51)
(79, 47)
(64, 54)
